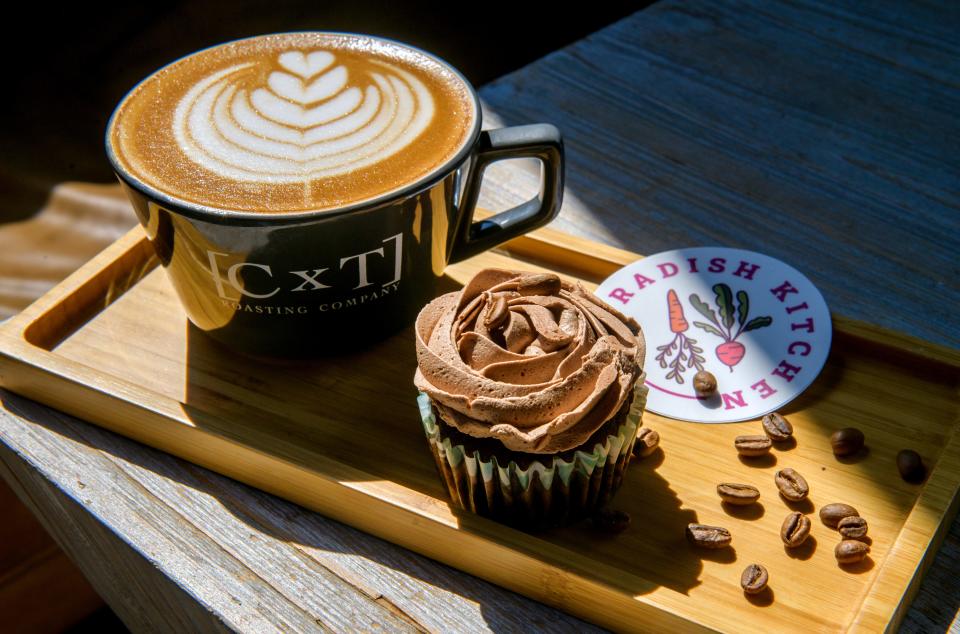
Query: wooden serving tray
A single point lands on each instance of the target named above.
(342, 436)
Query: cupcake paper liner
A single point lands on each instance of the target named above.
(552, 490)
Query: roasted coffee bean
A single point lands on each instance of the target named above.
(752, 446)
(846, 441)
(795, 529)
(738, 494)
(647, 442)
(831, 514)
(910, 466)
(708, 536)
(791, 484)
(611, 520)
(754, 579)
(850, 551)
(704, 383)
(853, 527)
(539, 284)
(777, 427)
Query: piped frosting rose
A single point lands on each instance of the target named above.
(537, 363)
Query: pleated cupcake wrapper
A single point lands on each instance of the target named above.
(551, 491)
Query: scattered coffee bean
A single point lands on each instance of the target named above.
(704, 383)
(791, 484)
(708, 536)
(852, 527)
(910, 466)
(738, 494)
(831, 514)
(647, 442)
(611, 520)
(846, 441)
(795, 529)
(850, 551)
(754, 579)
(752, 446)
(777, 427)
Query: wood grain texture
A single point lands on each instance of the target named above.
(666, 67)
(823, 133)
(173, 546)
(144, 600)
(362, 462)
(77, 221)
(157, 591)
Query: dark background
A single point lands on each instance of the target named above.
(70, 64)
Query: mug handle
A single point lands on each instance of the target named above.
(540, 141)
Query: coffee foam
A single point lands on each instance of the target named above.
(293, 122)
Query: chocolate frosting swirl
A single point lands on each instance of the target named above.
(535, 362)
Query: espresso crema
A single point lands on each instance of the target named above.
(293, 122)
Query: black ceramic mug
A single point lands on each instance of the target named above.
(296, 284)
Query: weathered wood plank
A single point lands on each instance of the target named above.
(826, 136)
(144, 600)
(255, 562)
(936, 607)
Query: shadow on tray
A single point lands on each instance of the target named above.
(360, 410)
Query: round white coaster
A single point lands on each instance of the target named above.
(759, 325)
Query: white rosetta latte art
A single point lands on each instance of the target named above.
(311, 120)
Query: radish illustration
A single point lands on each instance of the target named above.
(731, 351)
(680, 353)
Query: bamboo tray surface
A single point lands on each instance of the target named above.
(342, 436)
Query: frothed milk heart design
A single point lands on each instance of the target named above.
(312, 119)
(294, 122)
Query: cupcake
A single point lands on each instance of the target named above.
(531, 392)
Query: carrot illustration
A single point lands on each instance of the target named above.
(681, 353)
(731, 351)
(678, 323)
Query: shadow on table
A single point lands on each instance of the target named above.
(371, 424)
(384, 441)
(359, 410)
(286, 409)
(347, 549)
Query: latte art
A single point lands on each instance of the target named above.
(294, 122)
(311, 120)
